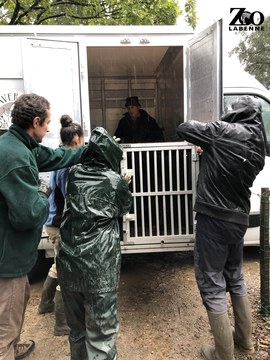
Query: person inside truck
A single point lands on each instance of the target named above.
(71, 135)
(89, 258)
(233, 154)
(137, 126)
(24, 208)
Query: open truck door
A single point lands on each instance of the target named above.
(205, 85)
(51, 69)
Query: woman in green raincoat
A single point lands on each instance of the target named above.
(89, 258)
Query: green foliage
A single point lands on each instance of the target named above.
(253, 52)
(191, 14)
(95, 12)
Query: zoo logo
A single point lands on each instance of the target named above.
(246, 21)
(6, 103)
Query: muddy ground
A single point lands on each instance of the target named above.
(160, 312)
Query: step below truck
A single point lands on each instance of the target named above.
(88, 71)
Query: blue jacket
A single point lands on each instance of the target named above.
(58, 181)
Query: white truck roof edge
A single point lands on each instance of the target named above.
(94, 30)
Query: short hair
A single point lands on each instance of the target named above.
(27, 107)
(69, 130)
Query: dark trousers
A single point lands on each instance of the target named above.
(93, 323)
(218, 258)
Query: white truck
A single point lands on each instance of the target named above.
(88, 71)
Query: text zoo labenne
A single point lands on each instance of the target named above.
(243, 20)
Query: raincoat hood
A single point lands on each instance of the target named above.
(102, 149)
(245, 109)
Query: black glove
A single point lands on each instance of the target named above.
(44, 187)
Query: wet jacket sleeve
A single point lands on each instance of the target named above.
(197, 133)
(49, 159)
(27, 208)
(124, 197)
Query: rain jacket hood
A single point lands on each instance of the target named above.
(102, 149)
(97, 195)
(245, 110)
(233, 155)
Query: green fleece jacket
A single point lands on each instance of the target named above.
(24, 210)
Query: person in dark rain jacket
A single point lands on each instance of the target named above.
(233, 154)
(137, 126)
(24, 208)
(88, 263)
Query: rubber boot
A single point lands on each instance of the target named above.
(60, 328)
(243, 324)
(221, 329)
(47, 295)
(78, 349)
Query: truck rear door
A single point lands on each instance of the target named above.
(51, 69)
(204, 76)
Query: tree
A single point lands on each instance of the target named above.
(95, 12)
(253, 52)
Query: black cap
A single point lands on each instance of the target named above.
(132, 100)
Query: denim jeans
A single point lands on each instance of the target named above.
(14, 296)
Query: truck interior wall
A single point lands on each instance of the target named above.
(154, 74)
(171, 91)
